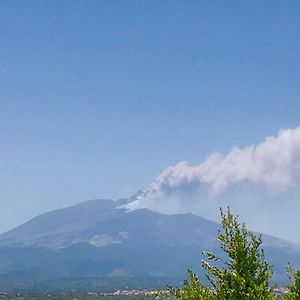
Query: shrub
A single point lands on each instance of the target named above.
(243, 274)
(294, 285)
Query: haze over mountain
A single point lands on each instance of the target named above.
(98, 238)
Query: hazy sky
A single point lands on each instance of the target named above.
(97, 98)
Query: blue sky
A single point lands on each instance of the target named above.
(98, 97)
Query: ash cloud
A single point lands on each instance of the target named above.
(263, 172)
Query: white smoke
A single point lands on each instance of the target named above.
(272, 167)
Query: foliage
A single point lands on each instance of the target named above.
(294, 286)
(194, 289)
(243, 274)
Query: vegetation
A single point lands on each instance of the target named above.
(294, 286)
(242, 274)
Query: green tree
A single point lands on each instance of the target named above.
(294, 285)
(194, 289)
(242, 274)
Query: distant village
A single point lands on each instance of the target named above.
(119, 294)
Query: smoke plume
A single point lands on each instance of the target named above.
(263, 173)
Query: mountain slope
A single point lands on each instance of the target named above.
(97, 238)
(101, 223)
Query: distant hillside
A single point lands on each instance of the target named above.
(97, 239)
